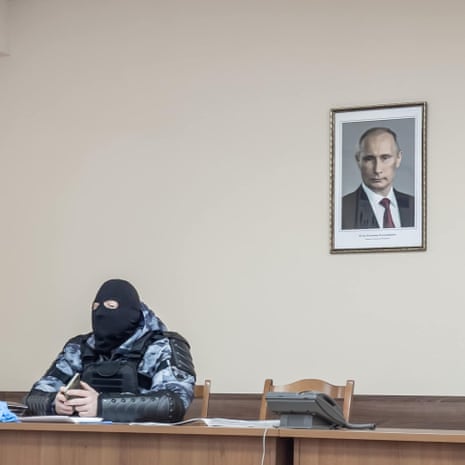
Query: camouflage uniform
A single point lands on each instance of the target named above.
(171, 387)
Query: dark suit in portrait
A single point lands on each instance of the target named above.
(358, 214)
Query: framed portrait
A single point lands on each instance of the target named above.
(378, 178)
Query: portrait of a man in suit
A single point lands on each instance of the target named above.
(376, 203)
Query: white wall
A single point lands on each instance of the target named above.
(3, 27)
(184, 145)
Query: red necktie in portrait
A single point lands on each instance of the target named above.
(387, 218)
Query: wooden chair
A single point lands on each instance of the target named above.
(202, 391)
(345, 393)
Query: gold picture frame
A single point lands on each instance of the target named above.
(378, 152)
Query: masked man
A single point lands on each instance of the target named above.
(131, 368)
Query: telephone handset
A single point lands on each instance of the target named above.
(329, 406)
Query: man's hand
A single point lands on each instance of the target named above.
(61, 404)
(84, 401)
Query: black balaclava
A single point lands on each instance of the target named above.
(113, 326)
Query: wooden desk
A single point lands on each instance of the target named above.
(378, 447)
(118, 444)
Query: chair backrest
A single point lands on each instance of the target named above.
(345, 392)
(202, 391)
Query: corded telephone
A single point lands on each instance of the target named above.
(309, 410)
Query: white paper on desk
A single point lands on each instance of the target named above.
(59, 419)
(219, 422)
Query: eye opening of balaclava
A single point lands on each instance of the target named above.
(113, 324)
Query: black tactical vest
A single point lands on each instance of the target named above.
(120, 374)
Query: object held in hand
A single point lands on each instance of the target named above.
(74, 383)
